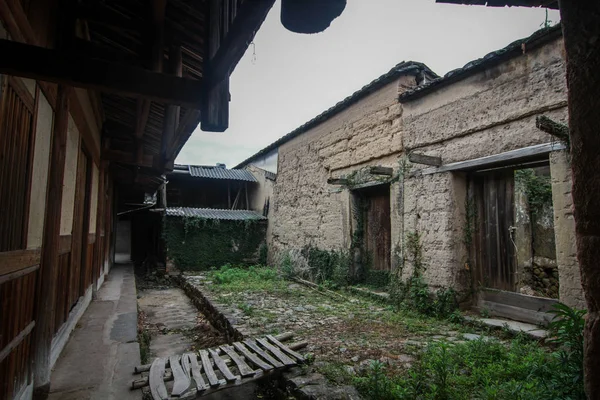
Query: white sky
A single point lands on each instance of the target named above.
(293, 78)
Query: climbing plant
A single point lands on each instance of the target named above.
(415, 293)
(201, 244)
(537, 188)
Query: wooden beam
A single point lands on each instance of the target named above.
(45, 305)
(512, 157)
(171, 119)
(51, 65)
(12, 261)
(337, 181)
(424, 159)
(215, 110)
(378, 170)
(186, 126)
(241, 32)
(556, 129)
(123, 157)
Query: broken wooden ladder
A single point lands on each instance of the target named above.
(206, 371)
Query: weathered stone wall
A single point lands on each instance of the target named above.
(570, 291)
(487, 113)
(306, 209)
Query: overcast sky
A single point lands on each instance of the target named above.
(286, 79)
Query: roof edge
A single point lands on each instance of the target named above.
(513, 50)
(400, 69)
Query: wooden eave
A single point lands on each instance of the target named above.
(159, 67)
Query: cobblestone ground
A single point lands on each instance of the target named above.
(341, 328)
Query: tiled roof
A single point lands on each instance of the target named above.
(502, 3)
(401, 69)
(514, 49)
(210, 172)
(213, 213)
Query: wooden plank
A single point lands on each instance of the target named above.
(286, 349)
(534, 303)
(378, 170)
(252, 344)
(195, 371)
(96, 74)
(244, 369)
(18, 274)
(208, 371)
(512, 157)
(337, 181)
(220, 363)
(516, 313)
(284, 359)
(16, 341)
(157, 384)
(424, 159)
(182, 381)
(13, 261)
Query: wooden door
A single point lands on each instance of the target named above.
(378, 226)
(496, 249)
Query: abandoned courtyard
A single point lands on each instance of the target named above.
(359, 341)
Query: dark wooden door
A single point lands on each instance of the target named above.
(496, 249)
(378, 226)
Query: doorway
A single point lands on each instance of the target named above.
(514, 248)
(375, 212)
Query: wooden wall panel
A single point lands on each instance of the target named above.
(16, 313)
(16, 132)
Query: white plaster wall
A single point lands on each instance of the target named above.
(70, 179)
(94, 198)
(39, 180)
(30, 85)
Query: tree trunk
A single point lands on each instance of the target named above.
(581, 29)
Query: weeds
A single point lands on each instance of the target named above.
(253, 278)
(415, 293)
(480, 369)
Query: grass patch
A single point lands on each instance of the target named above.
(252, 279)
(479, 369)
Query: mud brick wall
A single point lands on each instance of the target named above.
(489, 112)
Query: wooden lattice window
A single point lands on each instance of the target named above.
(16, 152)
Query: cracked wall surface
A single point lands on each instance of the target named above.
(486, 113)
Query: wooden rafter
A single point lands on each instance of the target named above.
(51, 65)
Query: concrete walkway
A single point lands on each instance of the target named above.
(98, 361)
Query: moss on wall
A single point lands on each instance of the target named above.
(200, 244)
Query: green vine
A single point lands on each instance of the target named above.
(415, 293)
(537, 188)
(200, 244)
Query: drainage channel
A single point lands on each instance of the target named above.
(171, 323)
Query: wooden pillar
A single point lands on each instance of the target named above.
(171, 119)
(45, 303)
(98, 245)
(581, 30)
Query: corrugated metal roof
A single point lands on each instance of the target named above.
(213, 213)
(201, 171)
(514, 49)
